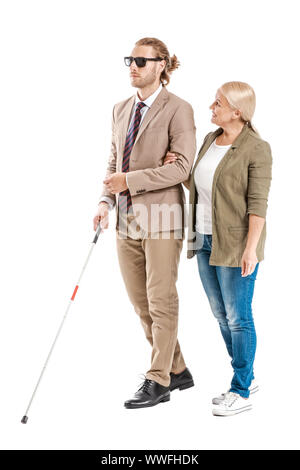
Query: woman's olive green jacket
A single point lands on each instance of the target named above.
(240, 187)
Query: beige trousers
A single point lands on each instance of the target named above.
(149, 267)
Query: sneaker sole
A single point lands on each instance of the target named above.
(183, 386)
(217, 401)
(231, 413)
(254, 390)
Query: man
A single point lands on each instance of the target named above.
(149, 200)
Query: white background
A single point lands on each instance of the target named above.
(61, 73)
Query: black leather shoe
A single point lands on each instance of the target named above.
(151, 393)
(182, 381)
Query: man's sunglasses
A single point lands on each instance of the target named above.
(140, 61)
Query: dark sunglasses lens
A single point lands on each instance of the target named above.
(128, 61)
(140, 61)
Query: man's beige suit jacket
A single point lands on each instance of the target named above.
(157, 195)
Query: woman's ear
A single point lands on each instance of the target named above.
(236, 114)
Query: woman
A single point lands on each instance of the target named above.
(229, 187)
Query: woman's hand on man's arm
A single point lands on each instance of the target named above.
(171, 157)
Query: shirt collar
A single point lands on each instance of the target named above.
(149, 101)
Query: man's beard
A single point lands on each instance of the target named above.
(143, 82)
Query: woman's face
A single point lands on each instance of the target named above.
(222, 113)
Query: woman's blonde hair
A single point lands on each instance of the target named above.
(161, 50)
(241, 96)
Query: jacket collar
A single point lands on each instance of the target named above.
(238, 140)
(148, 101)
(235, 144)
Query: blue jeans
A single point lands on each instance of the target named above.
(230, 297)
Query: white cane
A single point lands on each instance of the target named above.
(25, 417)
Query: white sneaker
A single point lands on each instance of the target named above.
(252, 389)
(232, 404)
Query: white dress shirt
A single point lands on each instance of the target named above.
(148, 102)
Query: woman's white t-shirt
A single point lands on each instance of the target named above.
(203, 177)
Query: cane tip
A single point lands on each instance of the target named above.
(24, 419)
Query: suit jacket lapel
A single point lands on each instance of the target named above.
(161, 98)
(235, 144)
(227, 155)
(125, 121)
(156, 105)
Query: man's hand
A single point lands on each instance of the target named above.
(101, 216)
(116, 182)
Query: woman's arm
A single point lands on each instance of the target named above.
(172, 157)
(259, 180)
(249, 258)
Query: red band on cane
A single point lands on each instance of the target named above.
(74, 293)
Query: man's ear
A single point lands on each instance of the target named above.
(163, 64)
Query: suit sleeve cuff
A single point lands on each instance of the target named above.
(133, 182)
(109, 201)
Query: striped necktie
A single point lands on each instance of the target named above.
(124, 197)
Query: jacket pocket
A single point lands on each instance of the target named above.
(233, 229)
(238, 233)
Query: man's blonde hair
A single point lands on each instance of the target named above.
(161, 50)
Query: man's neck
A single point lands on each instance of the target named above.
(144, 93)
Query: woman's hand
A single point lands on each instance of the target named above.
(248, 262)
(170, 158)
